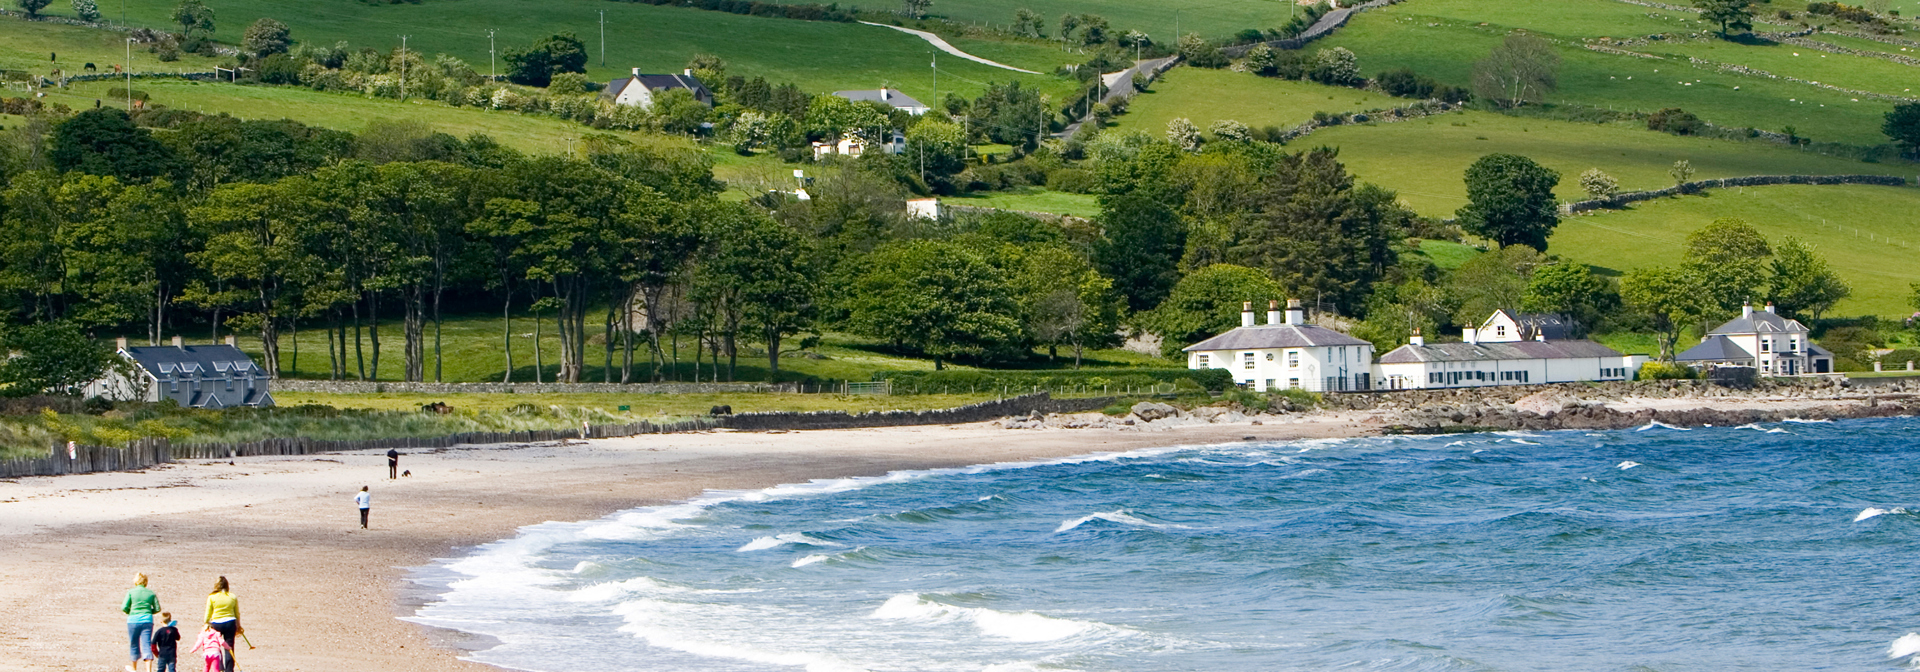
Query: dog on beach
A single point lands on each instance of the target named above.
(406, 474)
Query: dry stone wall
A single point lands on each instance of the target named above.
(1620, 200)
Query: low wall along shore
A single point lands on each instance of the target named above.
(145, 453)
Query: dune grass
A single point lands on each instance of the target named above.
(605, 408)
(1651, 233)
(818, 56)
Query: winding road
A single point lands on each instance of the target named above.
(943, 46)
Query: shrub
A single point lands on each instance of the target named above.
(120, 92)
(1230, 131)
(1336, 66)
(1598, 184)
(1666, 371)
(1676, 121)
(1072, 181)
(568, 83)
(1405, 83)
(1897, 359)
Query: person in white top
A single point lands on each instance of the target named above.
(364, 501)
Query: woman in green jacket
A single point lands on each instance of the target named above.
(140, 605)
(223, 614)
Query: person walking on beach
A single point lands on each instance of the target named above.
(223, 616)
(139, 605)
(393, 464)
(364, 500)
(214, 650)
(166, 643)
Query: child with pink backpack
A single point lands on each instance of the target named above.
(214, 648)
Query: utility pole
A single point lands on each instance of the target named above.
(603, 38)
(403, 66)
(130, 76)
(490, 76)
(936, 80)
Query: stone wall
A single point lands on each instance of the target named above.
(1620, 200)
(1326, 25)
(370, 387)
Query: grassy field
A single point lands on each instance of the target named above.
(1413, 35)
(1035, 200)
(1205, 96)
(1842, 70)
(30, 46)
(1211, 18)
(818, 56)
(1651, 234)
(1447, 254)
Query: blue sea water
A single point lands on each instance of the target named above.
(1767, 547)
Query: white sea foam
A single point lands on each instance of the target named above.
(1121, 517)
(1806, 421)
(1627, 464)
(650, 621)
(811, 559)
(764, 543)
(1651, 424)
(1875, 512)
(1905, 647)
(1019, 627)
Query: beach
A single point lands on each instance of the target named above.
(317, 593)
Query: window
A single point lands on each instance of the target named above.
(1500, 331)
(1766, 345)
(1269, 356)
(1270, 385)
(1248, 358)
(1293, 383)
(1200, 360)
(1293, 359)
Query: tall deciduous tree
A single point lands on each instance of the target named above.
(1803, 283)
(1493, 280)
(1903, 126)
(1139, 247)
(552, 55)
(1523, 69)
(194, 16)
(1731, 15)
(1668, 298)
(1727, 260)
(54, 357)
(105, 142)
(939, 298)
(253, 244)
(266, 37)
(1572, 290)
(1208, 302)
(1510, 201)
(32, 7)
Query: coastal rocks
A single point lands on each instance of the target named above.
(1150, 411)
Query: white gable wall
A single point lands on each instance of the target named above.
(635, 94)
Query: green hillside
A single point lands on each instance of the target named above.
(1849, 225)
(818, 56)
(1211, 18)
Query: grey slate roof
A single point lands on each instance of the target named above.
(1762, 322)
(197, 376)
(1716, 348)
(658, 82)
(891, 97)
(1276, 336)
(1489, 352)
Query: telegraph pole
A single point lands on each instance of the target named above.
(216, 77)
(490, 76)
(403, 66)
(603, 38)
(936, 80)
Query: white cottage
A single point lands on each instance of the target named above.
(1287, 355)
(1507, 349)
(1773, 345)
(639, 89)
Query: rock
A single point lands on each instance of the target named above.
(1150, 411)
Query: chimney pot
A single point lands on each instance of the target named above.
(1417, 340)
(179, 342)
(1296, 315)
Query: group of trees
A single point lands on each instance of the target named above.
(1724, 266)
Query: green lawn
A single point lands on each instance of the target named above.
(1036, 200)
(1447, 254)
(1205, 96)
(1410, 35)
(350, 112)
(818, 56)
(1424, 159)
(1651, 234)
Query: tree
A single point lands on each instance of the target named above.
(266, 37)
(917, 8)
(1322, 237)
(1068, 24)
(1093, 29)
(1183, 134)
(194, 16)
(1903, 125)
(1598, 184)
(1572, 290)
(1521, 70)
(55, 357)
(105, 141)
(833, 118)
(32, 7)
(87, 10)
(1140, 244)
(939, 298)
(1336, 66)
(1510, 201)
(552, 55)
(1803, 283)
(1208, 302)
(1011, 114)
(1063, 299)
(938, 148)
(1200, 53)
(1727, 260)
(1681, 172)
(1490, 281)
(1029, 23)
(1732, 15)
(1667, 297)
(1229, 130)
(253, 237)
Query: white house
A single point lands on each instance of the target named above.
(195, 376)
(853, 145)
(640, 89)
(1287, 355)
(925, 208)
(1762, 339)
(891, 97)
(1507, 349)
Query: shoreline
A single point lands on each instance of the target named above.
(283, 529)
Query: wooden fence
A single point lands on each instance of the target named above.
(144, 453)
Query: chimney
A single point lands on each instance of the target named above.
(120, 343)
(1470, 335)
(179, 343)
(1540, 335)
(1417, 340)
(688, 72)
(1746, 310)
(1769, 306)
(230, 341)
(636, 72)
(1296, 315)
(1246, 314)
(1273, 312)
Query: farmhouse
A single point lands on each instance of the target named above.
(1773, 345)
(1507, 349)
(1287, 355)
(890, 97)
(195, 376)
(853, 146)
(640, 89)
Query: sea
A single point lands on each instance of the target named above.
(1788, 546)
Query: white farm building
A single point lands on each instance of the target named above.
(1507, 349)
(1287, 355)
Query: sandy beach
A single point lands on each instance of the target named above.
(317, 593)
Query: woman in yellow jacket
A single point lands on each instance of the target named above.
(223, 614)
